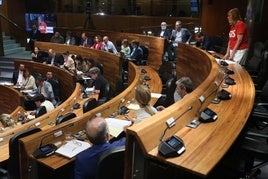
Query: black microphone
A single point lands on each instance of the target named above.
(171, 122)
(59, 113)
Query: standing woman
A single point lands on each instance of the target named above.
(238, 38)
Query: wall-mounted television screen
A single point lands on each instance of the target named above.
(44, 22)
(194, 5)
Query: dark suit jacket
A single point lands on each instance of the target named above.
(137, 55)
(208, 43)
(15, 77)
(166, 35)
(58, 60)
(89, 42)
(86, 161)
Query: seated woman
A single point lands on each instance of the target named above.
(6, 120)
(68, 62)
(80, 65)
(125, 49)
(143, 98)
(29, 82)
(99, 81)
(97, 42)
(39, 56)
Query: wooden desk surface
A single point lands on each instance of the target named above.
(45, 121)
(209, 142)
(56, 161)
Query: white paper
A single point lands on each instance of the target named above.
(156, 95)
(116, 126)
(72, 148)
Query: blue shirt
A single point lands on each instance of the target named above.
(86, 161)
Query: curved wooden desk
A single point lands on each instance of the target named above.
(208, 143)
(78, 123)
(111, 63)
(154, 44)
(10, 99)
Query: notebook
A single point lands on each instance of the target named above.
(72, 148)
(116, 126)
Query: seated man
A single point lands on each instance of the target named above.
(137, 53)
(17, 77)
(97, 133)
(108, 46)
(184, 86)
(45, 88)
(57, 38)
(204, 42)
(54, 59)
(55, 84)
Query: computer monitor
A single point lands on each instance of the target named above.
(44, 22)
(194, 4)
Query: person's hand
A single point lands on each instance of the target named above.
(160, 108)
(128, 117)
(225, 57)
(231, 57)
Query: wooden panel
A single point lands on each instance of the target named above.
(10, 99)
(154, 44)
(203, 149)
(110, 61)
(79, 122)
(66, 79)
(209, 142)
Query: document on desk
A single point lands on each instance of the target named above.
(116, 126)
(156, 95)
(72, 148)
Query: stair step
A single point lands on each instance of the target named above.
(14, 50)
(6, 63)
(11, 45)
(6, 74)
(9, 41)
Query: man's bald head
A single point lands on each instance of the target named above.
(97, 131)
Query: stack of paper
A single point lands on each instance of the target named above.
(116, 126)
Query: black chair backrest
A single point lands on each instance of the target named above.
(253, 62)
(90, 104)
(264, 93)
(65, 117)
(13, 160)
(167, 71)
(40, 111)
(108, 92)
(111, 164)
(170, 88)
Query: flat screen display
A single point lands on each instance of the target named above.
(44, 22)
(194, 5)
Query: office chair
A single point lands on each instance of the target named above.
(65, 117)
(167, 97)
(111, 164)
(255, 138)
(253, 63)
(13, 163)
(108, 94)
(40, 111)
(89, 104)
(145, 50)
(167, 71)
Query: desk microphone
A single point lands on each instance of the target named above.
(173, 146)
(172, 122)
(46, 150)
(59, 113)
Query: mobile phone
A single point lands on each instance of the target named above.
(193, 124)
(216, 101)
